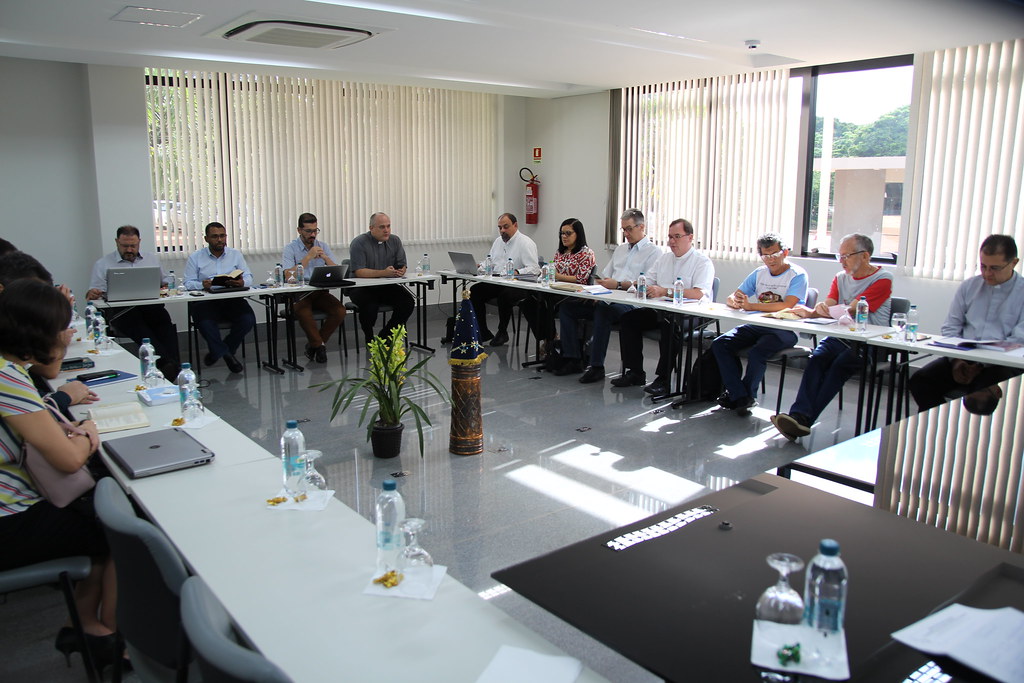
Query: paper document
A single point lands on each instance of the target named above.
(987, 640)
(596, 289)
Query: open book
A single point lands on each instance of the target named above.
(981, 344)
(222, 280)
(117, 417)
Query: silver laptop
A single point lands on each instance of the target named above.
(165, 450)
(132, 284)
(464, 263)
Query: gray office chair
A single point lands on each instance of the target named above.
(221, 656)
(60, 572)
(149, 578)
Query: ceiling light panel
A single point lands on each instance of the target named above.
(149, 16)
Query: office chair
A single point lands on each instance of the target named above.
(219, 652)
(794, 352)
(149, 578)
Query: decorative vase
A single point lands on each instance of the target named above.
(386, 440)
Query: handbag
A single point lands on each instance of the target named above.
(58, 487)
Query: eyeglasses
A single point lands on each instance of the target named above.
(774, 254)
(629, 228)
(992, 269)
(314, 231)
(679, 236)
(842, 257)
(567, 233)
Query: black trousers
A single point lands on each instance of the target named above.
(369, 300)
(505, 297)
(632, 326)
(930, 384)
(139, 322)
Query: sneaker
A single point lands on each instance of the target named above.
(593, 373)
(659, 387)
(790, 426)
(630, 378)
(321, 353)
(744, 405)
(725, 400)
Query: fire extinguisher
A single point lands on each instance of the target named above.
(532, 196)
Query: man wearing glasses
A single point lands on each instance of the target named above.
(636, 255)
(989, 306)
(312, 253)
(772, 287)
(834, 360)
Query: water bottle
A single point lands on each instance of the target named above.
(641, 286)
(510, 269)
(678, 292)
(146, 351)
(278, 275)
(862, 314)
(390, 513)
(90, 312)
(825, 588)
(488, 266)
(545, 275)
(186, 382)
(293, 452)
(172, 284)
(426, 264)
(913, 320)
(300, 275)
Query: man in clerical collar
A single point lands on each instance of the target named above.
(378, 253)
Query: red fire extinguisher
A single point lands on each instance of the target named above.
(532, 196)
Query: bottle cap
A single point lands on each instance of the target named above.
(145, 340)
(828, 547)
(291, 424)
(388, 485)
(186, 366)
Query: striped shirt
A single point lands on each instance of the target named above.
(18, 396)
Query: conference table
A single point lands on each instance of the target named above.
(293, 581)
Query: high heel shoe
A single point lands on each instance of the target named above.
(104, 649)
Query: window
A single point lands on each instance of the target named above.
(861, 115)
(253, 152)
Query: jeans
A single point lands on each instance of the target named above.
(603, 315)
(832, 363)
(762, 342)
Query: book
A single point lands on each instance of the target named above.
(222, 280)
(109, 378)
(567, 286)
(980, 344)
(117, 417)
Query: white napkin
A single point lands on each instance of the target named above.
(207, 418)
(315, 501)
(821, 654)
(407, 590)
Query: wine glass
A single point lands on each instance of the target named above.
(153, 377)
(899, 321)
(415, 563)
(780, 603)
(314, 480)
(271, 280)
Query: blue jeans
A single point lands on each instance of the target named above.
(762, 342)
(207, 316)
(603, 314)
(832, 363)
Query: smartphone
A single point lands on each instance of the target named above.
(101, 374)
(77, 363)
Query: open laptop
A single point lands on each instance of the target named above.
(132, 284)
(165, 450)
(329, 276)
(464, 263)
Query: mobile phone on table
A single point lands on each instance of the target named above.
(77, 363)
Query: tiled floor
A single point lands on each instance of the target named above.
(562, 461)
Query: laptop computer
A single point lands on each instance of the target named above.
(132, 284)
(164, 450)
(464, 263)
(329, 276)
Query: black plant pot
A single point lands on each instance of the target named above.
(386, 440)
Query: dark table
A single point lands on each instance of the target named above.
(682, 604)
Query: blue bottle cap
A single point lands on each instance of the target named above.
(389, 485)
(186, 366)
(828, 547)
(291, 424)
(145, 340)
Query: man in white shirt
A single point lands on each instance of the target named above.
(510, 244)
(634, 256)
(137, 322)
(697, 274)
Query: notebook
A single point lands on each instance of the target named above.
(132, 284)
(329, 276)
(164, 450)
(464, 263)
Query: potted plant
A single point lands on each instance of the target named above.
(386, 377)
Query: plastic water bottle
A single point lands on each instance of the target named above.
(146, 351)
(825, 588)
(862, 314)
(913, 320)
(545, 275)
(293, 453)
(488, 266)
(390, 513)
(90, 312)
(426, 264)
(678, 292)
(186, 382)
(278, 275)
(510, 269)
(300, 275)
(641, 286)
(172, 284)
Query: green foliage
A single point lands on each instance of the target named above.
(386, 377)
(884, 137)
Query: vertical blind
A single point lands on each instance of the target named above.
(968, 156)
(714, 151)
(253, 152)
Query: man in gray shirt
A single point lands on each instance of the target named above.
(379, 254)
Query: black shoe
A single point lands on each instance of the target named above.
(569, 366)
(725, 400)
(791, 426)
(104, 649)
(209, 359)
(321, 353)
(630, 378)
(233, 364)
(310, 353)
(500, 339)
(485, 335)
(744, 405)
(659, 387)
(593, 373)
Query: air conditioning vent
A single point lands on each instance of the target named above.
(298, 34)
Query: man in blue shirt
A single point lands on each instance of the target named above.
(202, 266)
(312, 253)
